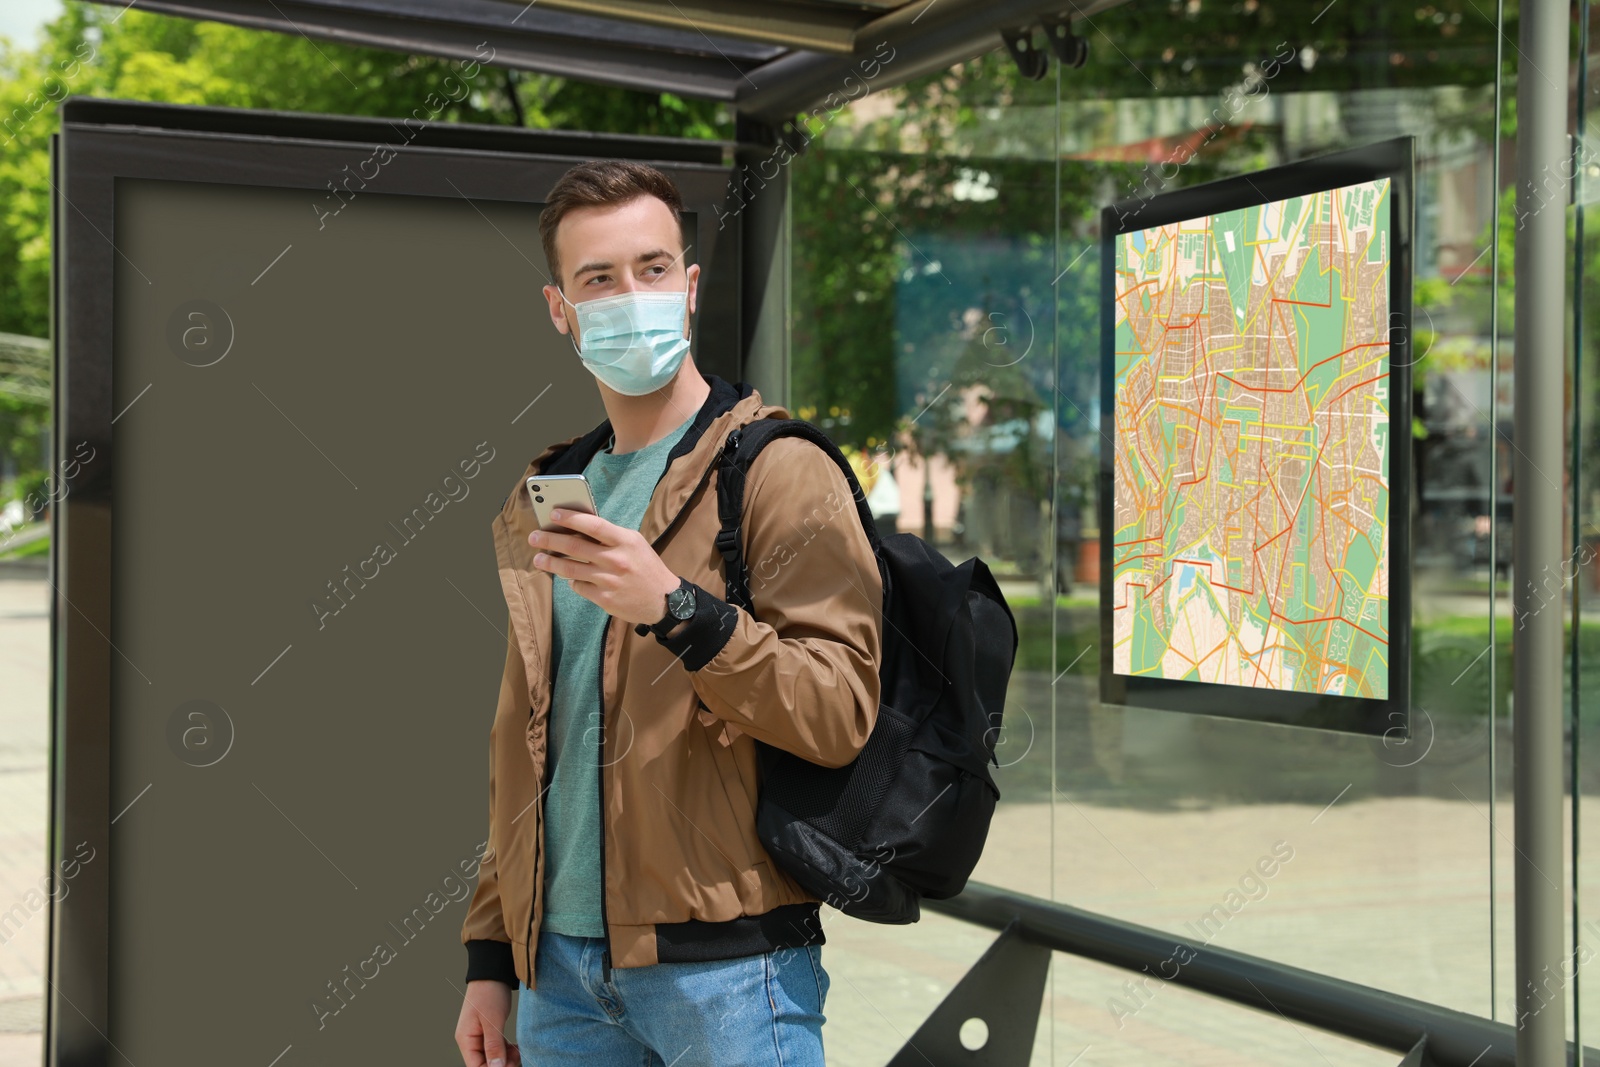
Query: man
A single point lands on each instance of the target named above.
(625, 891)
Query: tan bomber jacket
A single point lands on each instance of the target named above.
(685, 876)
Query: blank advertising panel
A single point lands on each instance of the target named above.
(313, 433)
(281, 625)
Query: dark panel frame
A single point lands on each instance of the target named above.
(216, 145)
(88, 111)
(1392, 159)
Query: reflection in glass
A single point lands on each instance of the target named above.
(945, 297)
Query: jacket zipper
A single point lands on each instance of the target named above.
(605, 954)
(600, 778)
(716, 457)
(605, 928)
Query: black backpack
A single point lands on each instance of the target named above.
(908, 817)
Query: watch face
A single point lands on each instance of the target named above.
(681, 603)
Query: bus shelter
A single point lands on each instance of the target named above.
(281, 338)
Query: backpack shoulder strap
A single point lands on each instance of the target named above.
(739, 451)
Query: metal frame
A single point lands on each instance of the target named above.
(1004, 990)
(1539, 369)
(762, 184)
(771, 62)
(103, 140)
(924, 39)
(1426, 1033)
(1390, 716)
(604, 50)
(765, 82)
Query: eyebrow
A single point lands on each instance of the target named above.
(643, 257)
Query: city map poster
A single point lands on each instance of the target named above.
(1251, 448)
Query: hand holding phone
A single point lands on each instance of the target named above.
(566, 491)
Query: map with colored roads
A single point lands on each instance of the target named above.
(1251, 455)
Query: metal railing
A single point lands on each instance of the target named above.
(1426, 1033)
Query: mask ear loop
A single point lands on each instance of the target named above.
(574, 330)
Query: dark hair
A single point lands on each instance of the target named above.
(601, 183)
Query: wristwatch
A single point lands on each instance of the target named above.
(680, 606)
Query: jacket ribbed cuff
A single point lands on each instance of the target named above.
(704, 633)
(492, 959)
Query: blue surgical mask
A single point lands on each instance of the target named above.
(633, 342)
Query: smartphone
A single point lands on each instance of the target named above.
(552, 491)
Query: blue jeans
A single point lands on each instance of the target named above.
(764, 1009)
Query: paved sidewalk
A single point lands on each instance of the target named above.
(24, 749)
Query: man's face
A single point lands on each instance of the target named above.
(605, 251)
